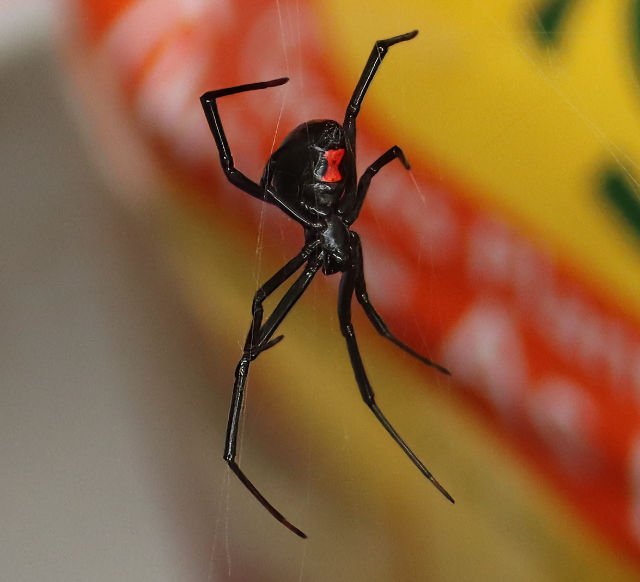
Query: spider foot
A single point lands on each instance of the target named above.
(213, 95)
(261, 498)
(403, 159)
(400, 38)
(438, 367)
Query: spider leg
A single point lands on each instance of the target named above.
(258, 341)
(378, 53)
(208, 101)
(376, 320)
(235, 176)
(347, 287)
(252, 345)
(352, 211)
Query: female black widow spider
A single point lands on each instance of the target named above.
(312, 178)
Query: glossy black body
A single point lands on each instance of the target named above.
(312, 178)
(294, 173)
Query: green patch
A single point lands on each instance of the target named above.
(548, 20)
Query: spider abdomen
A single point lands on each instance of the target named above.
(310, 168)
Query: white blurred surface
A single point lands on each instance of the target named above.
(105, 402)
(22, 24)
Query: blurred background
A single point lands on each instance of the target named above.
(509, 254)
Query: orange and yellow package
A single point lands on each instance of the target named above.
(509, 253)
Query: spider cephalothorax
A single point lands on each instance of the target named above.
(312, 178)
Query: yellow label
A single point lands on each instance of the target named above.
(525, 104)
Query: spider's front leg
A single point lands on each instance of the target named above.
(348, 285)
(258, 340)
(374, 317)
(255, 343)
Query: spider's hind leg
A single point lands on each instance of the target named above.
(379, 51)
(209, 104)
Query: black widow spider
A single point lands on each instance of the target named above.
(312, 178)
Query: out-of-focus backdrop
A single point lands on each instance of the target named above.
(105, 380)
(509, 254)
